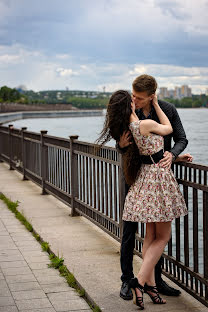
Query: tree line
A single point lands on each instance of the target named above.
(82, 99)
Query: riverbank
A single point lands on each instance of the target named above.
(8, 117)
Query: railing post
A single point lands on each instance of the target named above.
(23, 153)
(73, 175)
(10, 147)
(121, 194)
(44, 161)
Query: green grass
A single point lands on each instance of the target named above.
(45, 246)
(56, 262)
(13, 208)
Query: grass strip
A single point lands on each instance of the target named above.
(56, 262)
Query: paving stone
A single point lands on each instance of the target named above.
(64, 296)
(39, 266)
(34, 253)
(6, 301)
(69, 305)
(31, 259)
(11, 258)
(4, 240)
(23, 238)
(49, 279)
(20, 278)
(9, 252)
(35, 303)
(16, 231)
(4, 234)
(46, 272)
(44, 310)
(16, 271)
(29, 247)
(24, 286)
(4, 289)
(15, 228)
(13, 264)
(10, 246)
(27, 243)
(28, 294)
(8, 309)
(53, 288)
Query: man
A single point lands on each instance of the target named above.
(143, 89)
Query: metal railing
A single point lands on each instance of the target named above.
(92, 184)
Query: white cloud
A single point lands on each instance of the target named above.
(9, 59)
(66, 72)
(63, 56)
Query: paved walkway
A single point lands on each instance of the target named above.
(26, 282)
(89, 253)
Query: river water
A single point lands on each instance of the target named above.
(195, 122)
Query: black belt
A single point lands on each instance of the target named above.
(147, 159)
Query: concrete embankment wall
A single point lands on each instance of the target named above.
(7, 117)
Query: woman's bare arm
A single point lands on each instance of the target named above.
(150, 126)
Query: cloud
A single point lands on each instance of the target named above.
(152, 31)
(88, 44)
(66, 72)
(9, 59)
(63, 56)
(39, 71)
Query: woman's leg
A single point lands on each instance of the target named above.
(149, 238)
(153, 253)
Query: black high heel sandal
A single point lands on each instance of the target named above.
(156, 299)
(138, 300)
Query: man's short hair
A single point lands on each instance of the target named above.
(145, 83)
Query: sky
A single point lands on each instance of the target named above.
(89, 44)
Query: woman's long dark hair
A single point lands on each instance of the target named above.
(116, 122)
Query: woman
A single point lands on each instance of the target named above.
(154, 197)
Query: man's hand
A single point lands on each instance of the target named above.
(167, 159)
(185, 157)
(125, 139)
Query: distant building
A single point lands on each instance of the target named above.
(59, 95)
(177, 93)
(186, 91)
(163, 93)
(171, 93)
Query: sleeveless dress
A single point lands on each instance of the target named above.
(155, 195)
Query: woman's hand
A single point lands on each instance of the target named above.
(185, 158)
(154, 100)
(133, 107)
(133, 116)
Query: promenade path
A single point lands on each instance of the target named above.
(26, 284)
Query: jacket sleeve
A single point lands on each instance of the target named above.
(179, 135)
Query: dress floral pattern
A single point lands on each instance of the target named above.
(155, 195)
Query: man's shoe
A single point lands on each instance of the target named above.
(126, 292)
(165, 289)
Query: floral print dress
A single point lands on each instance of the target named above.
(155, 195)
